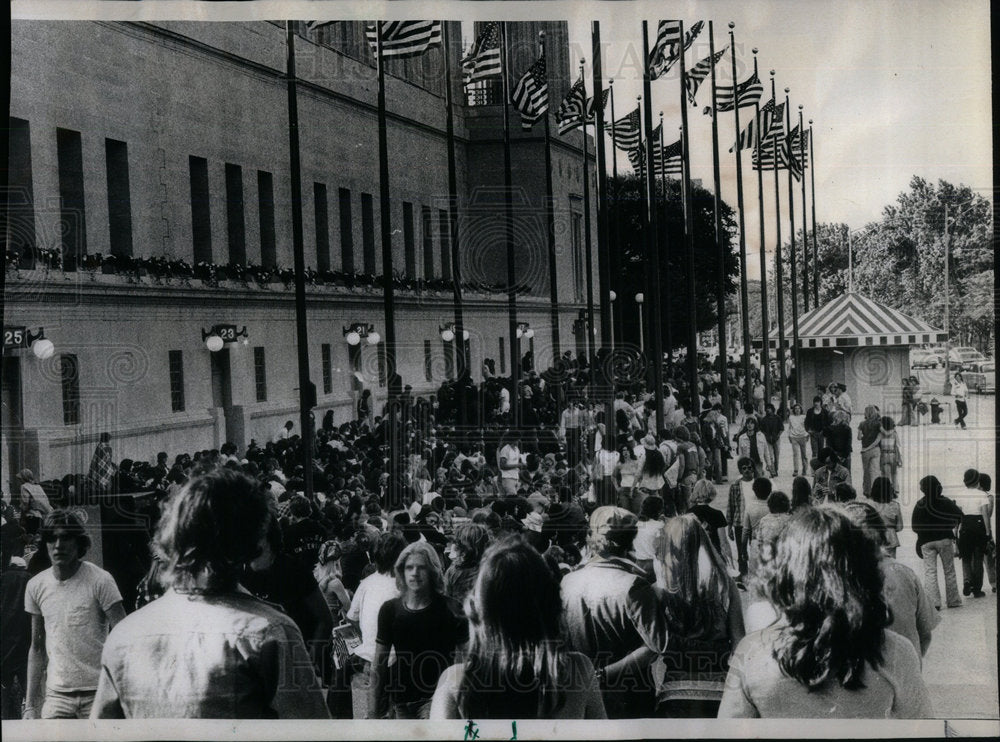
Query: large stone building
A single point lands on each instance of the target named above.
(166, 146)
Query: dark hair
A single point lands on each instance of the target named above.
(68, 521)
(882, 491)
(824, 576)
(844, 492)
(299, 507)
(743, 461)
(212, 527)
(762, 487)
(516, 664)
(985, 481)
(390, 546)
(777, 502)
(653, 463)
(888, 423)
(652, 508)
(931, 487)
(801, 493)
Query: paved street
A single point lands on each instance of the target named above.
(961, 665)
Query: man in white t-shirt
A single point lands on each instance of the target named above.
(73, 605)
(509, 463)
(376, 589)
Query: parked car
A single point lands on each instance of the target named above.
(926, 359)
(981, 377)
(965, 356)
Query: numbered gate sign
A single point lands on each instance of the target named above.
(227, 333)
(15, 337)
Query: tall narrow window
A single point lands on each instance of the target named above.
(503, 356)
(236, 214)
(368, 232)
(260, 373)
(579, 274)
(20, 196)
(427, 233)
(327, 369)
(69, 153)
(322, 227)
(409, 241)
(346, 232)
(428, 363)
(69, 372)
(119, 197)
(265, 200)
(444, 239)
(382, 365)
(201, 219)
(176, 359)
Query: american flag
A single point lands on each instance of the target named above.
(746, 93)
(787, 151)
(666, 160)
(664, 52)
(769, 120)
(404, 38)
(590, 105)
(697, 74)
(571, 110)
(531, 96)
(484, 59)
(625, 132)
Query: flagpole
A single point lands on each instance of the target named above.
(764, 320)
(388, 295)
(464, 367)
(588, 249)
(604, 375)
(778, 271)
(652, 243)
(665, 308)
(617, 223)
(515, 349)
(550, 223)
(720, 296)
(692, 297)
(805, 234)
(812, 178)
(791, 229)
(307, 395)
(744, 292)
(647, 307)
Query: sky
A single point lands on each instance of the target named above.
(896, 88)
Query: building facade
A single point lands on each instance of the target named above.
(151, 202)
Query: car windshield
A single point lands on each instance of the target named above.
(987, 368)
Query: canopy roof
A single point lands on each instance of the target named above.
(855, 320)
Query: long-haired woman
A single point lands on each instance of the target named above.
(328, 574)
(704, 619)
(651, 479)
(828, 655)
(517, 664)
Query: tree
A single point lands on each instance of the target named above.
(630, 267)
(899, 260)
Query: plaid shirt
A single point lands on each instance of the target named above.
(102, 468)
(737, 505)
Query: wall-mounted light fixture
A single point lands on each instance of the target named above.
(217, 338)
(447, 331)
(354, 333)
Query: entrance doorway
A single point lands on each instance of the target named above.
(12, 421)
(222, 389)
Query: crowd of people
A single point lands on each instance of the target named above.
(573, 568)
